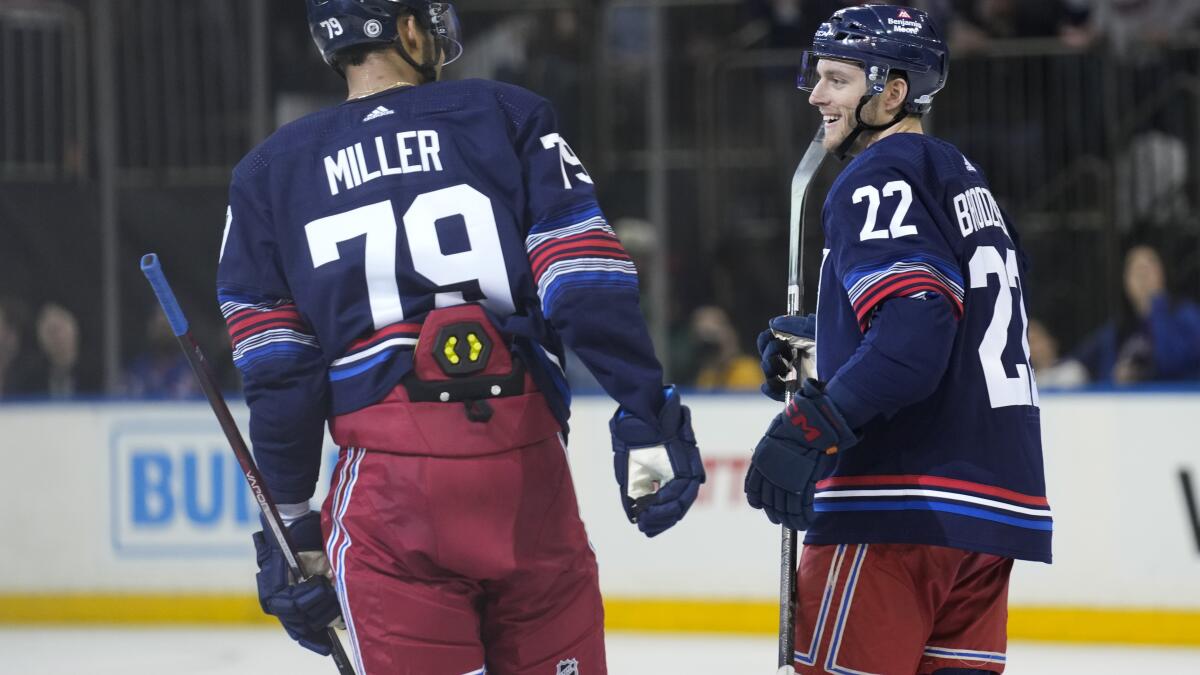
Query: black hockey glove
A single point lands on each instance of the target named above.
(794, 454)
(305, 609)
(784, 348)
(658, 467)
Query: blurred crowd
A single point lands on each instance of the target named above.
(40, 358)
(1152, 330)
(1155, 336)
(39, 355)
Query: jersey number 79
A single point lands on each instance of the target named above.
(483, 262)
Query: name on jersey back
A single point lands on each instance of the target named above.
(392, 154)
(976, 209)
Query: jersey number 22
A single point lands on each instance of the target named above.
(1003, 390)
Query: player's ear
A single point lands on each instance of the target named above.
(894, 95)
(408, 32)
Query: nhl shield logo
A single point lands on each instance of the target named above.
(568, 667)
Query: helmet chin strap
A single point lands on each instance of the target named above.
(427, 71)
(861, 126)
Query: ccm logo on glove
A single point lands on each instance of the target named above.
(799, 419)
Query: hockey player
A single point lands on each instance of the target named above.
(408, 266)
(915, 462)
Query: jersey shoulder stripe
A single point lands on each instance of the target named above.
(867, 286)
(576, 248)
(261, 329)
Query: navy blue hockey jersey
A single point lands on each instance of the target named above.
(912, 218)
(347, 227)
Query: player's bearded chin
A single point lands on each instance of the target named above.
(870, 115)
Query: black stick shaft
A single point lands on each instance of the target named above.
(787, 596)
(1189, 498)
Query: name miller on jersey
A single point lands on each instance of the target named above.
(405, 152)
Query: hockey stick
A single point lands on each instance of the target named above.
(795, 305)
(1189, 499)
(208, 383)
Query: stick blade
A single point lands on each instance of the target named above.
(801, 181)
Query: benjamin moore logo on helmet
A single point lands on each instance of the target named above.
(373, 28)
(905, 25)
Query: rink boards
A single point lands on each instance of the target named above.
(137, 513)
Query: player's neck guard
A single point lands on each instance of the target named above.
(860, 126)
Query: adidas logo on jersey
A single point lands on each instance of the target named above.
(377, 113)
(969, 165)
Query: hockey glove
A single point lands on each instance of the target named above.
(306, 609)
(658, 466)
(794, 454)
(788, 352)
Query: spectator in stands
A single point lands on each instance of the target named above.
(974, 24)
(721, 362)
(1157, 338)
(10, 346)
(161, 371)
(1052, 371)
(53, 369)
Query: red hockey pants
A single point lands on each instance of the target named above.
(900, 609)
(445, 564)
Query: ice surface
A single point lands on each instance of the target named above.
(108, 651)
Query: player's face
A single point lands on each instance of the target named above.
(840, 85)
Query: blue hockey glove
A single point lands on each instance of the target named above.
(305, 609)
(794, 454)
(786, 350)
(658, 467)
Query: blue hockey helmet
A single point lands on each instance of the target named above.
(883, 38)
(339, 24)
